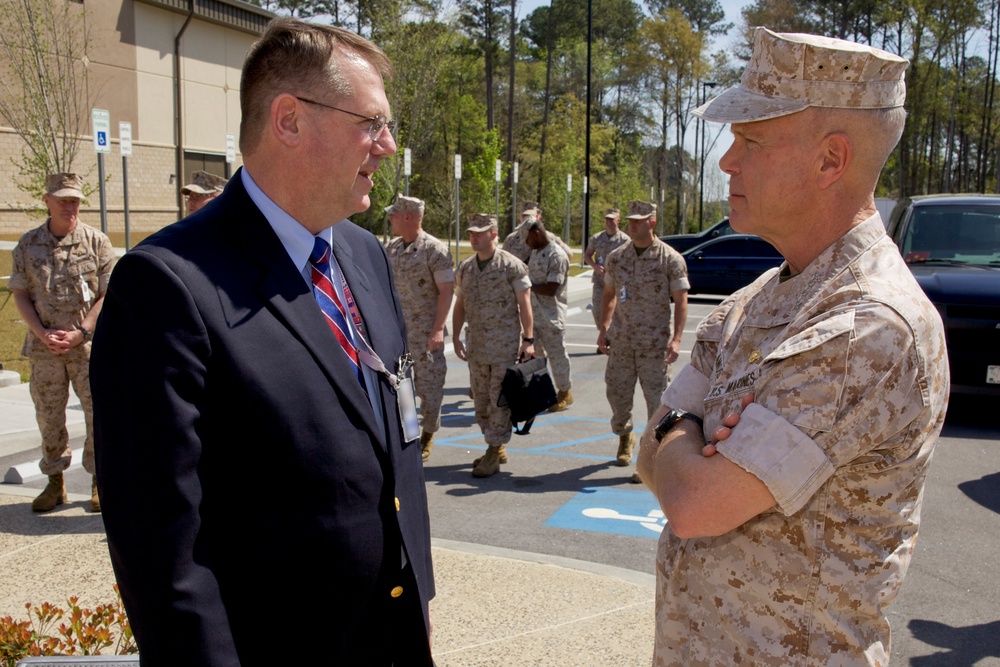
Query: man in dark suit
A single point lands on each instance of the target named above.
(256, 482)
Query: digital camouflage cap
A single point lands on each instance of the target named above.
(790, 72)
(204, 183)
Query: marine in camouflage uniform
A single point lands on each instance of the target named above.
(516, 242)
(59, 277)
(599, 246)
(425, 281)
(792, 530)
(548, 271)
(641, 280)
(492, 295)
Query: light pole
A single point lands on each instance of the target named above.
(701, 171)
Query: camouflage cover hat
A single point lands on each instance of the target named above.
(612, 213)
(204, 184)
(790, 72)
(530, 208)
(64, 185)
(403, 204)
(481, 222)
(641, 210)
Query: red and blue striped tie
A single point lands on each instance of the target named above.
(329, 303)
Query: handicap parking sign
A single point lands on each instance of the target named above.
(617, 511)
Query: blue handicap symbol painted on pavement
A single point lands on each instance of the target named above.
(617, 511)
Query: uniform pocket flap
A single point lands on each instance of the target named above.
(814, 336)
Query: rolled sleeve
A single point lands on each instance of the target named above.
(687, 392)
(442, 276)
(790, 463)
(680, 285)
(521, 284)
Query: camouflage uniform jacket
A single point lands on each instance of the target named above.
(643, 285)
(516, 242)
(849, 370)
(64, 277)
(489, 297)
(549, 265)
(417, 269)
(602, 245)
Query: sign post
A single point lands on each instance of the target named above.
(497, 182)
(100, 120)
(569, 193)
(125, 147)
(407, 171)
(584, 228)
(513, 211)
(230, 154)
(458, 204)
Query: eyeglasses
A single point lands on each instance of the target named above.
(378, 123)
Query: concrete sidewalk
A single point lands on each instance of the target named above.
(493, 607)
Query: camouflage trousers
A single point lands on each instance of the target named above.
(550, 342)
(595, 303)
(428, 383)
(625, 366)
(51, 376)
(493, 421)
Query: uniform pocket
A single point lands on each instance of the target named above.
(807, 372)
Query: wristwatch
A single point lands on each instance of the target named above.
(529, 340)
(670, 420)
(87, 335)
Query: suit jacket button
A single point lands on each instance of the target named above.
(396, 592)
(397, 504)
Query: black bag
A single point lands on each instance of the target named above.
(527, 390)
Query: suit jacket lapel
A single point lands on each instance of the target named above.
(284, 292)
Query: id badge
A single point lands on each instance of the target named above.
(622, 294)
(85, 288)
(407, 406)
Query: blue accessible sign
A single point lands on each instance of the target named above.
(617, 511)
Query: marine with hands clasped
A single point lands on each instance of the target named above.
(641, 280)
(789, 456)
(425, 281)
(60, 274)
(599, 247)
(492, 294)
(548, 271)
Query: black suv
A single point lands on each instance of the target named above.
(952, 245)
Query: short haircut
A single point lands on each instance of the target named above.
(874, 131)
(296, 57)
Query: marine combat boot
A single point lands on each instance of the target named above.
(503, 456)
(426, 445)
(564, 399)
(625, 443)
(53, 494)
(489, 463)
(95, 501)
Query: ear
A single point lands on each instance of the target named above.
(286, 119)
(837, 154)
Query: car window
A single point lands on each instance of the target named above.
(965, 233)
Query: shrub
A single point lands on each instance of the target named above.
(84, 632)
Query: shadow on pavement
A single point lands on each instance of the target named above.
(18, 519)
(985, 491)
(460, 476)
(965, 646)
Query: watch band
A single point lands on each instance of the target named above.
(528, 340)
(87, 334)
(670, 420)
